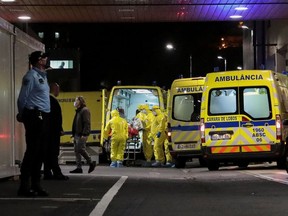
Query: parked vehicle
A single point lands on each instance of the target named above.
(126, 99)
(244, 117)
(184, 120)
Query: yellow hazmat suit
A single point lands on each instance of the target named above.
(147, 145)
(117, 128)
(158, 134)
(168, 156)
(141, 115)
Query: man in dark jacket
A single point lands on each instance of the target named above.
(52, 169)
(80, 132)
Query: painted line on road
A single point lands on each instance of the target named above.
(50, 199)
(107, 198)
(267, 177)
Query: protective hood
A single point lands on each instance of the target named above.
(146, 107)
(115, 113)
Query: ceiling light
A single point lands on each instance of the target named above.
(24, 17)
(7, 0)
(244, 27)
(235, 16)
(169, 46)
(241, 8)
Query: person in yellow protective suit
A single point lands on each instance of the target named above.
(158, 136)
(141, 115)
(117, 128)
(169, 159)
(147, 145)
(140, 125)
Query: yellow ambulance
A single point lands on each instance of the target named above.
(184, 120)
(126, 99)
(244, 118)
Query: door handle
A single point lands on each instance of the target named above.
(248, 125)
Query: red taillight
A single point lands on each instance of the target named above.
(202, 130)
(244, 119)
(278, 127)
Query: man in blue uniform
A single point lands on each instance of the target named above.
(34, 108)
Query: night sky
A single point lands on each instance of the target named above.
(136, 53)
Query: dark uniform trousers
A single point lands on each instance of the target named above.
(36, 129)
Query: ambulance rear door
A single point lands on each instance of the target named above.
(103, 115)
(258, 124)
(184, 119)
(222, 122)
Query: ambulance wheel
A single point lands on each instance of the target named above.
(281, 163)
(104, 157)
(180, 162)
(202, 162)
(213, 165)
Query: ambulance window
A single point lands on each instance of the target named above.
(187, 107)
(127, 100)
(256, 102)
(222, 101)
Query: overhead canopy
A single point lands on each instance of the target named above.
(107, 11)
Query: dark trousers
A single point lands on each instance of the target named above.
(36, 126)
(52, 153)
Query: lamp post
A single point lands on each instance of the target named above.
(225, 62)
(190, 65)
(170, 46)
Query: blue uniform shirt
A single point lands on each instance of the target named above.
(34, 93)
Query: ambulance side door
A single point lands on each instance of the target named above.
(103, 115)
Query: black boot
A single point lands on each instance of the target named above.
(24, 189)
(92, 166)
(38, 189)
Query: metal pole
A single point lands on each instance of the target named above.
(276, 59)
(190, 65)
(225, 64)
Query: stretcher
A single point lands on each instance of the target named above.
(133, 150)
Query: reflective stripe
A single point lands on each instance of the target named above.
(219, 150)
(256, 148)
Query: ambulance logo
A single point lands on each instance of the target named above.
(239, 78)
(193, 89)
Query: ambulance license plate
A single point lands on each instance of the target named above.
(185, 146)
